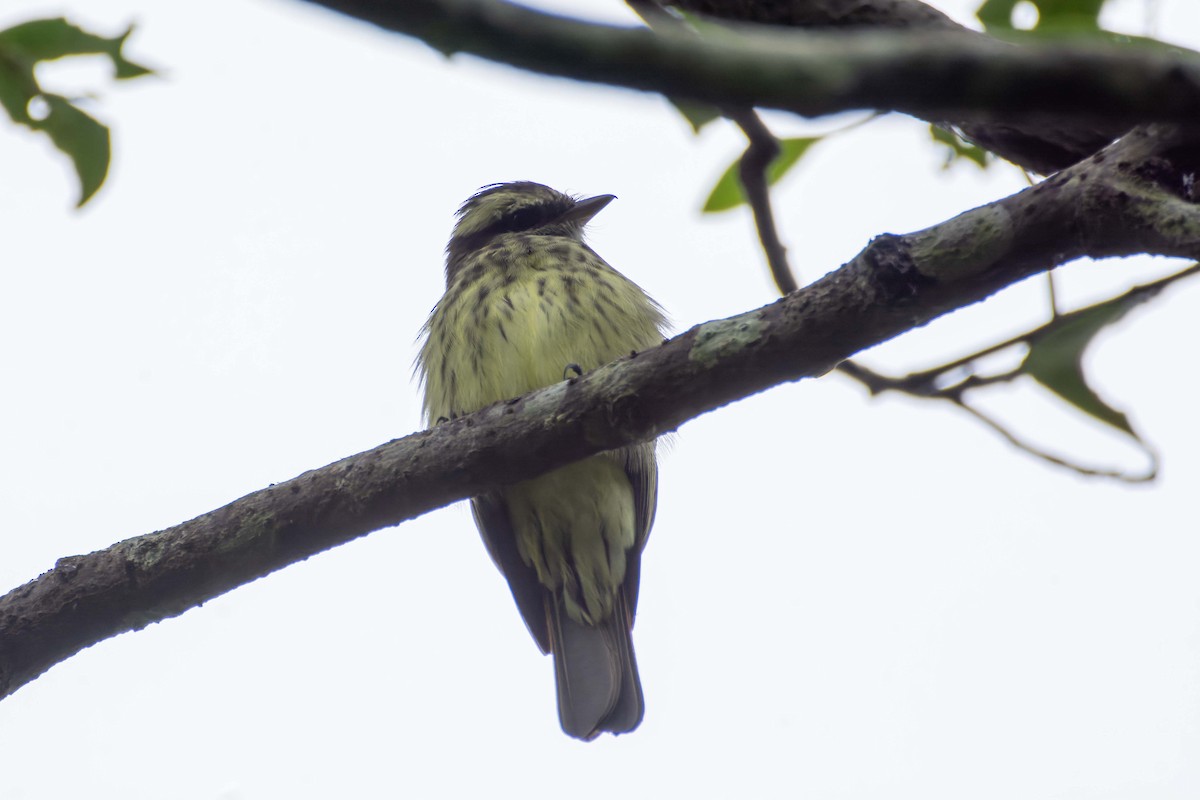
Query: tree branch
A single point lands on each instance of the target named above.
(824, 13)
(1109, 205)
(1044, 145)
(936, 75)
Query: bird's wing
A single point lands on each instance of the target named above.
(495, 526)
(641, 467)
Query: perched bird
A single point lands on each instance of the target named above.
(526, 303)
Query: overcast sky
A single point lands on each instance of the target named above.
(842, 598)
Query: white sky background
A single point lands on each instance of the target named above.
(842, 598)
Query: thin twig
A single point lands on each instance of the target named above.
(752, 170)
(924, 383)
(1037, 452)
(753, 174)
(1051, 288)
(762, 150)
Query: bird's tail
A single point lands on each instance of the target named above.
(596, 672)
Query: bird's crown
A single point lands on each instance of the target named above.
(510, 207)
(518, 207)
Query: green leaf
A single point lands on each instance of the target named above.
(80, 136)
(50, 39)
(1055, 359)
(1068, 16)
(16, 90)
(959, 148)
(996, 14)
(728, 193)
(697, 114)
(1054, 16)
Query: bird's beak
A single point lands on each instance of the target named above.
(583, 211)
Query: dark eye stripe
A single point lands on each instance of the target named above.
(524, 219)
(528, 218)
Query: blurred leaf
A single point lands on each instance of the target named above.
(959, 148)
(49, 39)
(1054, 16)
(15, 92)
(83, 139)
(697, 114)
(1055, 359)
(1075, 16)
(996, 14)
(728, 191)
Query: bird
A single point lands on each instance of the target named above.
(527, 304)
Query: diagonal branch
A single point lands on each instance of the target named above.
(938, 75)
(1104, 206)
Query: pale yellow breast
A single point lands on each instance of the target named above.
(517, 327)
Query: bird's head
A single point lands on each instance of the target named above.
(518, 207)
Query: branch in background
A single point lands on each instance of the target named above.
(748, 180)
(1105, 206)
(877, 383)
(752, 171)
(1035, 451)
(936, 75)
(1054, 354)
(1044, 145)
(934, 382)
(903, 14)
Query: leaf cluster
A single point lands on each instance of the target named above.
(76, 133)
